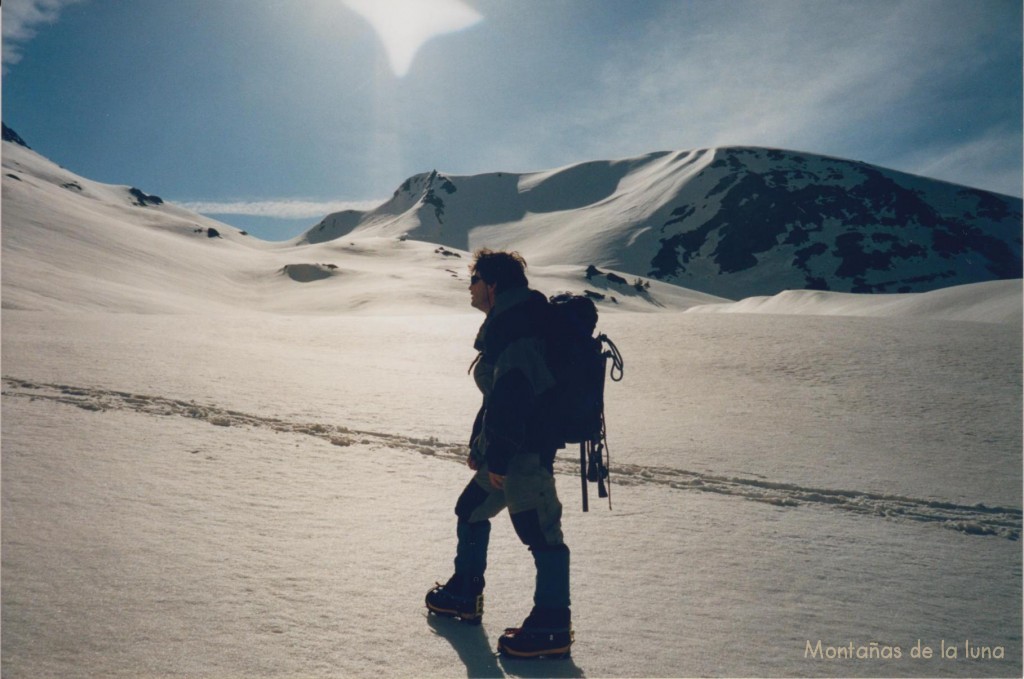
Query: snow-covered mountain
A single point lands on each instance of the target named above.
(72, 243)
(733, 221)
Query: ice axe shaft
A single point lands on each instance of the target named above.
(583, 475)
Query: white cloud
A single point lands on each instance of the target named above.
(863, 80)
(20, 21)
(282, 209)
(755, 73)
(981, 163)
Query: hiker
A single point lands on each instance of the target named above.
(512, 450)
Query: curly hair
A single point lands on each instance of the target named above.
(504, 270)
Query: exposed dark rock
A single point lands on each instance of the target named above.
(12, 136)
(143, 199)
(308, 273)
(431, 198)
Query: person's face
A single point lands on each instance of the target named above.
(481, 294)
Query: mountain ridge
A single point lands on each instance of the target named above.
(730, 221)
(647, 233)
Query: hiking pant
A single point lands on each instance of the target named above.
(529, 494)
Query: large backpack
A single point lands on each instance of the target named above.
(579, 361)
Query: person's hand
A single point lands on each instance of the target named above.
(497, 480)
(471, 462)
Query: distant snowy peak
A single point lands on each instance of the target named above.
(733, 221)
(828, 224)
(420, 199)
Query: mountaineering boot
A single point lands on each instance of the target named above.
(460, 597)
(463, 595)
(546, 632)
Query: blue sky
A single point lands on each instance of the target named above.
(271, 114)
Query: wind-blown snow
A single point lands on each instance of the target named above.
(224, 457)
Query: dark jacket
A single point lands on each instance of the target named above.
(517, 385)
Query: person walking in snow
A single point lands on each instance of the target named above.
(512, 450)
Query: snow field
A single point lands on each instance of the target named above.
(170, 546)
(270, 495)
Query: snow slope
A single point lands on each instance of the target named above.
(226, 458)
(992, 302)
(71, 243)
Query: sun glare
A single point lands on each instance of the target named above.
(403, 26)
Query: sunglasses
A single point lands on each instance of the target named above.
(474, 279)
